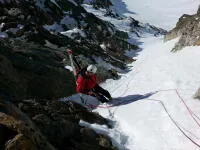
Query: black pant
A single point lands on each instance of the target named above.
(101, 94)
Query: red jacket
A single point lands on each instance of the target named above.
(85, 83)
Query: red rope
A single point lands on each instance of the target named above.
(176, 124)
(192, 114)
(187, 107)
(189, 110)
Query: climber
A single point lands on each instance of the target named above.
(86, 83)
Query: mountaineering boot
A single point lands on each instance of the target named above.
(101, 98)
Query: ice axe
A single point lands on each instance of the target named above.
(71, 61)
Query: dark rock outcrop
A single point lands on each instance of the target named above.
(49, 125)
(197, 94)
(20, 142)
(101, 4)
(27, 72)
(32, 54)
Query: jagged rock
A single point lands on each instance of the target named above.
(197, 94)
(95, 29)
(45, 124)
(14, 12)
(68, 111)
(35, 17)
(58, 131)
(13, 118)
(20, 142)
(89, 136)
(104, 141)
(9, 25)
(6, 134)
(187, 28)
(93, 139)
(101, 4)
(33, 72)
(198, 11)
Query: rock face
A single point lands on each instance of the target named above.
(35, 41)
(49, 125)
(106, 4)
(32, 72)
(36, 34)
(188, 29)
(197, 94)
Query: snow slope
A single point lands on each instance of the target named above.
(145, 120)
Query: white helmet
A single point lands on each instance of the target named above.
(92, 68)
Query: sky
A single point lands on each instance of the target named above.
(153, 106)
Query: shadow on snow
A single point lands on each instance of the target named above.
(129, 99)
